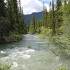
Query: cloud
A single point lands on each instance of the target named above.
(30, 6)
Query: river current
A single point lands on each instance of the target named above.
(31, 53)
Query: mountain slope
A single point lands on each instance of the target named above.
(37, 16)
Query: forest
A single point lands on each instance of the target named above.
(54, 26)
(12, 23)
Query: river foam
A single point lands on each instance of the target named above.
(26, 56)
(2, 52)
(30, 51)
(15, 64)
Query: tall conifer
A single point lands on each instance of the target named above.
(32, 24)
(44, 17)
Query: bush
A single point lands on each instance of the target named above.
(45, 32)
(63, 68)
(5, 67)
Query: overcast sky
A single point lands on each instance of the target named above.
(30, 6)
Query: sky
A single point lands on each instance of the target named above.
(30, 6)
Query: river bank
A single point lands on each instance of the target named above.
(11, 38)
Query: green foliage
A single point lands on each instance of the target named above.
(63, 68)
(61, 30)
(32, 25)
(38, 26)
(45, 32)
(11, 19)
(58, 30)
(51, 18)
(2, 9)
(52, 21)
(62, 45)
(44, 19)
(13, 37)
(61, 39)
(5, 67)
(59, 4)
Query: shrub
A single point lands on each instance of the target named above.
(63, 68)
(5, 67)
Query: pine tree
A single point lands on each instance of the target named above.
(66, 19)
(53, 19)
(49, 18)
(38, 26)
(58, 17)
(44, 19)
(59, 4)
(11, 19)
(32, 25)
(22, 26)
(2, 8)
(2, 16)
(11, 15)
(16, 17)
(65, 3)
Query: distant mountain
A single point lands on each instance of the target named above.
(37, 15)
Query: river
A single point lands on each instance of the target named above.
(31, 53)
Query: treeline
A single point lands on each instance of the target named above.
(11, 20)
(60, 26)
(55, 24)
(52, 19)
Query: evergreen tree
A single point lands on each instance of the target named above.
(22, 25)
(11, 19)
(32, 25)
(11, 15)
(65, 3)
(2, 8)
(66, 18)
(44, 19)
(16, 17)
(3, 21)
(59, 4)
(49, 17)
(38, 26)
(58, 17)
(53, 19)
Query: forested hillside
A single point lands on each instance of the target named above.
(37, 15)
(55, 26)
(12, 23)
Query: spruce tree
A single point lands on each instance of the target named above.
(11, 15)
(22, 26)
(32, 25)
(44, 17)
(53, 19)
(58, 17)
(66, 19)
(2, 16)
(49, 18)
(59, 4)
(2, 8)
(65, 3)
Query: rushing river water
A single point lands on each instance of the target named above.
(31, 53)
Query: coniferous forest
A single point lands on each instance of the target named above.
(12, 23)
(54, 25)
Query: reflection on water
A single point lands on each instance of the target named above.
(31, 53)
